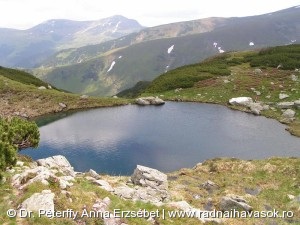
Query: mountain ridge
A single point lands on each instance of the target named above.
(27, 48)
(113, 66)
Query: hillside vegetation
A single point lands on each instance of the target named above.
(262, 75)
(20, 96)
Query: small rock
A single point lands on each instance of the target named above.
(182, 205)
(94, 174)
(124, 192)
(20, 163)
(49, 86)
(258, 93)
(294, 77)
(10, 170)
(253, 191)
(3, 180)
(234, 202)
(256, 108)
(63, 105)
(115, 96)
(42, 88)
(104, 185)
(289, 113)
(297, 104)
(226, 81)
(283, 96)
(291, 197)
(84, 96)
(285, 105)
(209, 185)
(257, 71)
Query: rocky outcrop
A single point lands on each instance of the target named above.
(59, 162)
(148, 177)
(231, 202)
(149, 101)
(44, 171)
(151, 186)
(39, 201)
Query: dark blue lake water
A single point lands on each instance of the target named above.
(169, 137)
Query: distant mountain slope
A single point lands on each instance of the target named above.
(27, 48)
(113, 66)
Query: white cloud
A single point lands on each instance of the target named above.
(26, 13)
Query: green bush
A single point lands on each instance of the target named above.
(16, 134)
(188, 76)
(286, 56)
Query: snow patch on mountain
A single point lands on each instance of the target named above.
(251, 43)
(215, 44)
(117, 26)
(220, 50)
(170, 49)
(111, 66)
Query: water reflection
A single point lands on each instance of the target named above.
(176, 135)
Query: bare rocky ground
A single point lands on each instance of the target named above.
(220, 185)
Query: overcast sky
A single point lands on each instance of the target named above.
(23, 14)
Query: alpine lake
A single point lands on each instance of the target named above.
(176, 135)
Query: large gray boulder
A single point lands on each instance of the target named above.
(151, 186)
(231, 202)
(39, 201)
(148, 177)
(149, 101)
(241, 101)
(58, 162)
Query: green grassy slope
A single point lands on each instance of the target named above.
(20, 96)
(229, 75)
